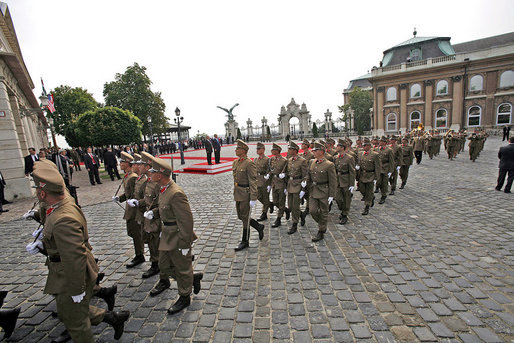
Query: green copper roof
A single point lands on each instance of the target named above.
(414, 40)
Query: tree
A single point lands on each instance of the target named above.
(314, 130)
(106, 126)
(238, 134)
(268, 133)
(131, 91)
(360, 101)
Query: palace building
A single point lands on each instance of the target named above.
(429, 81)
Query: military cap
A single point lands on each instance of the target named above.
(306, 142)
(137, 159)
(331, 141)
(323, 142)
(260, 145)
(313, 141)
(241, 145)
(367, 141)
(349, 140)
(359, 138)
(146, 158)
(45, 162)
(161, 166)
(48, 178)
(125, 157)
(276, 147)
(318, 146)
(393, 137)
(293, 145)
(341, 142)
(383, 139)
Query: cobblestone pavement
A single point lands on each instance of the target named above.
(434, 263)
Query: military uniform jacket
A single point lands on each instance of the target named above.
(150, 203)
(474, 142)
(176, 217)
(329, 157)
(323, 179)
(71, 265)
(418, 143)
(406, 155)
(297, 169)
(129, 186)
(397, 154)
(262, 167)
(139, 194)
(345, 169)
(278, 165)
(245, 181)
(308, 155)
(370, 167)
(386, 160)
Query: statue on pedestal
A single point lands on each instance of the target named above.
(229, 112)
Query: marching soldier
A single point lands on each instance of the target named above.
(133, 228)
(323, 179)
(393, 179)
(278, 171)
(308, 156)
(262, 164)
(297, 172)
(386, 168)
(474, 146)
(345, 169)
(177, 237)
(406, 159)
(369, 165)
(417, 144)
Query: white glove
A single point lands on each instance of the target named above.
(252, 203)
(184, 251)
(330, 199)
(375, 182)
(78, 298)
(148, 215)
(389, 174)
(29, 214)
(351, 188)
(266, 177)
(133, 202)
(285, 191)
(281, 175)
(268, 188)
(357, 167)
(37, 232)
(116, 199)
(302, 193)
(33, 248)
(398, 168)
(304, 184)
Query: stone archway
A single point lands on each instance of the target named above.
(294, 110)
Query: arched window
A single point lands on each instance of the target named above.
(442, 87)
(476, 83)
(415, 91)
(415, 119)
(391, 122)
(474, 116)
(441, 118)
(391, 94)
(507, 79)
(503, 114)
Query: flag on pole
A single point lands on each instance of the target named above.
(43, 85)
(50, 105)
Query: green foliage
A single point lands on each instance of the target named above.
(360, 101)
(131, 91)
(238, 134)
(106, 126)
(268, 131)
(314, 130)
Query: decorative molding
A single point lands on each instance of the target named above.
(456, 78)
(428, 82)
(403, 86)
(380, 89)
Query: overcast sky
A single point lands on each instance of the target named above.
(260, 54)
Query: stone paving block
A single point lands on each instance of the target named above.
(360, 331)
(440, 330)
(403, 333)
(424, 334)
(487, 335)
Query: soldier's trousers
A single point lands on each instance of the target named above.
(179, 267)
(293, 201)
(263, 197)
(319, 212)
(152, 240)
(419, 156)
(135, 231)
(279, 200)
(367, 189)
(344, 199)
(393, 180)
(383, 183)
(404, 173)
(78, 318)
(243, 212)
(473, 153)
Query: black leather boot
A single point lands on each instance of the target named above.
(373, 202)
(136, 261)
(402, 186)
(288, 213)
(161, 286)
(244, 241)
(366, 211)
(99, 278)
(382, 200)
(271, 207)
(263, 217)
(180, 304)
(117, 321)
(258, 227)
(62, 338)
(343, 219)
(197, 282)
(108, 295)
(8, 320)
(302, 218)
(154, 270)
(318, 237)
(276, 223)
(3, 294)
(392, 192)
(293, 229)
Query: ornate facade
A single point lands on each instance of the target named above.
(294, 110)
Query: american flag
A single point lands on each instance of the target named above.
(50, 105)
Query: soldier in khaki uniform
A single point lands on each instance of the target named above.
(72, 270)
(386, 168)
(406, 159)
(262, 164)
(278, 173)
(393, 179)
(245, 193)
(177, 237)
(369, 166)
(345, 169)
(308, 156)
(133, 228)
(297, 170)
(323, 180)
(474, 146)
(417, 143)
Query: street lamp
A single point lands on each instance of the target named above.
(44, 103)
(149, 119)
(178, 121)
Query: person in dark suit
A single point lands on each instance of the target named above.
(217, 148)
(506, 132)
(208, 149)
(111, 164)
(92, 164)
(2, 200)
(29, 161)
(506, 156)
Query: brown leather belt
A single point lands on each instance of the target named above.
(54, 258)
(169, 223)
(241, 185)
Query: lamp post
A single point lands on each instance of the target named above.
(149, 119)
(178, 121)
(44, 103)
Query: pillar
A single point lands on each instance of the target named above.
(428, 115)
(457, 104)
(404, 116)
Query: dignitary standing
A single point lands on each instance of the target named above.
(345, 170)
(506, 156)
(133, 228)
(111, 164)
(278, 170)
(177, 237)
(208, 149)
(92, 164)
(262, 163)
(406, 159)
(245, 193)
(369, 165)
(29, 161)
(216, 146)
(323, 179)
(297, 170)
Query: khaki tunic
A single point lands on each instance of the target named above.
(345, 169)
(139, 194)
(297, 169)
(323, 180)
(262, 168)
(279, 165)
(151, 227)
(370, 170)
(406, 159)
(245, 187)
(133, 228)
